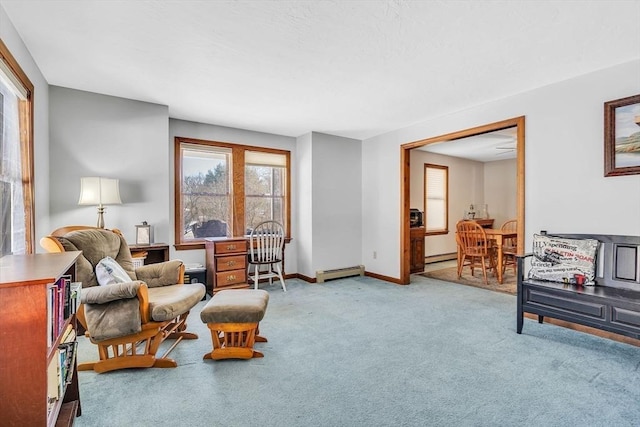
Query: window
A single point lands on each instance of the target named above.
(16, 161)
(264, 178)
(224, 189)
(436, 199)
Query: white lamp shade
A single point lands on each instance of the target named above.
(99, 191)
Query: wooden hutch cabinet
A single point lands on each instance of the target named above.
(417, 249)
(38, 375)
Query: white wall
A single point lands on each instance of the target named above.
(19, 51)
(336, 211)
(304, 232)
(500, 190)
(380, 224)
(208, 132)
(566, 190)
(329, 184)
(99, 135)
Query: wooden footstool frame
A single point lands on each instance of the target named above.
(235, 340)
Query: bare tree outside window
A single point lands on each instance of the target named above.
(17, 215)
(214, 201)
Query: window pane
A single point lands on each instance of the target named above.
(205, 192)
(13, 232)
(264, 190)
(435, 219)
(226, 189)
(436, 204)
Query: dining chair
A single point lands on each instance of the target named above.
(476, 249)
(510, 246)
(266, 244)
(459, 248)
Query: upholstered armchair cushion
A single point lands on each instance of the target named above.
(113, 292)
(112, 311)
(168, 302)
(161, 274)
(95, 245)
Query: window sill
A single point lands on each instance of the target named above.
(200, 244)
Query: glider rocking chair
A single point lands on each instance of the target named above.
(130, 318)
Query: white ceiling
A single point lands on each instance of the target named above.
(488, 147)
(349, 68)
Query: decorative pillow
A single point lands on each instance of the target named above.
(558, 259)
(108, 272)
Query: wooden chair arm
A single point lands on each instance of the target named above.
(51, 244)
(143, 297)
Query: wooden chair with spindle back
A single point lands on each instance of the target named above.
(476, 250)
(510, 246)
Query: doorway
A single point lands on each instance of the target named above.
(517, 122)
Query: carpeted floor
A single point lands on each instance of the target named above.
(508, 284)
(362, 352)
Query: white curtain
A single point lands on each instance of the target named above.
(12, 203)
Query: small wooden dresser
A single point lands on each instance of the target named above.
(226, 262)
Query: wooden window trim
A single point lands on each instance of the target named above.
(237, 173)
(445, 230)
(26, 146)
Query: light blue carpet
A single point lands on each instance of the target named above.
(362, 352)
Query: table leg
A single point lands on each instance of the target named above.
(500, 256)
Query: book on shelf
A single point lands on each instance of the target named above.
(52, 378)
(62, 372)
(75, 288)
(49, 317)
(61, 368)
(67, 333)
(53, 381)
(63, 299)
(71, 363)
(67, 353)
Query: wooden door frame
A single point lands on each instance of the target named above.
(405, 178)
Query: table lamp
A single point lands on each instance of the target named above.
(99, 191)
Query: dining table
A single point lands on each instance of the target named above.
(500, 236)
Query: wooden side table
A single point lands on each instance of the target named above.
(156, 252)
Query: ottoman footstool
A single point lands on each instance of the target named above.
(233, 317)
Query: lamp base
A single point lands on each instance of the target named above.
(101, 216)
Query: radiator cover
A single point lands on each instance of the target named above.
(338, 273)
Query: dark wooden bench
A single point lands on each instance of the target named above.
(612, 305)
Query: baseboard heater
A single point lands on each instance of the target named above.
(339, 273)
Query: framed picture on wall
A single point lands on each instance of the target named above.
(622, 136)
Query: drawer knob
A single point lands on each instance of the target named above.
(230, 263)
(231, 247)
(231, 277)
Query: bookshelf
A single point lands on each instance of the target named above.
(32, 340)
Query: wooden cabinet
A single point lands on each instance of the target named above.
(156, 252)
(226, 262)
(29, 341)
(417, 249)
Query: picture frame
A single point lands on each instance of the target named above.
(622, 136)
(144, 234)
